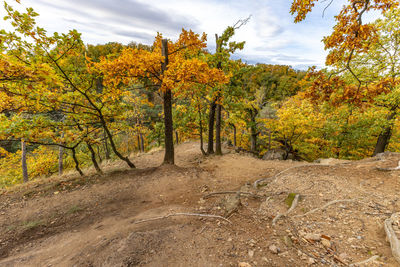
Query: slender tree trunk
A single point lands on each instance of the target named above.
(211, 119)
(253, 131)
(218, 145)
(253, 141)
(168, 129)
(106, 149)
(169, 157)
(176, 137)
(76, 162)
(23, 160)
(60, 160)
(141, 142)
(383, 141)
(138, 143)
(234, 135)
(386, 134)
(113, 146)
(201, 131)
(93, 155)
(98, 153)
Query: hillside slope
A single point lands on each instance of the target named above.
(96, 221)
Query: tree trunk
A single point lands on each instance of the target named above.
(141, 143)
(98, 153)
(176, 137)
(138, 143)
(169, 157)
(76, 162)
(218, 145)
(234, 135)
(93, 155)
(254, 132)
(60, 160)
(253, 138)
(106, 149)
(384, 136)
(383, 140)
(201, 131)
(168, 129)
(211, 119)
(113, 146)
(23, 161)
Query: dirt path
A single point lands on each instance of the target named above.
(92, 223)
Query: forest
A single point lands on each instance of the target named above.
(70, 105)
(258, 164)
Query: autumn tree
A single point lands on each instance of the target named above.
(169, 66)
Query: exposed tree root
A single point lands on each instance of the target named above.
(326, 205)
(391, 235)
(183, 214)
(373, 258)
(389, 169)
(292, 207)
(232, 192)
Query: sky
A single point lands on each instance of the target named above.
(271, 35)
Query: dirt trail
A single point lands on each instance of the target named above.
(93, 223)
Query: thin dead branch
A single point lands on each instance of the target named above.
(373, 258)
(231, 192)
(326, 205)
(183, 214)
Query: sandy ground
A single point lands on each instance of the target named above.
(95, 221)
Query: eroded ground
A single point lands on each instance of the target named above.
(94, 221)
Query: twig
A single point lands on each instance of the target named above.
(231, 192)
(183, 214)
(326, 205)
(373, 258)
(391, 235)
(292, 207)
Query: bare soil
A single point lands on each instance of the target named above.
(95, 221)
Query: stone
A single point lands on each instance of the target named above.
(288, 241)
(244, 264)
(311, 261)
(312, 237)
(326, 243)
(251, 253)
(274, 249)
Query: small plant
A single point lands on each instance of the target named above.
(290, 198)
(74, 209)
(32, 224)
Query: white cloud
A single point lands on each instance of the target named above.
(271, 36)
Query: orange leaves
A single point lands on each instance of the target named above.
(300, 8)
(349, 34)
(185, 67)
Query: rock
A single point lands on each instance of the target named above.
(326, 243)
(231, 204)
(251, 253)
(274, 249)
(277, 154)
(288, 241)
(312, 237)
(331, 161)
(311, 261)
(265, 259)
(244, 264)
(252, 242)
